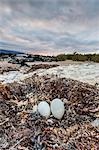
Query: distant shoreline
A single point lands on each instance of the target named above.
(25, 57)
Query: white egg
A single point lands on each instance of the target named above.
(57, 108)
(44, 109)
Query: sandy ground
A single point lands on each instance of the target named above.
(6, 64)
(61, 63)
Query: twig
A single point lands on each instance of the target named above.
(20, 141)
(7, 119)
(17, 143)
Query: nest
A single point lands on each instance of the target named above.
(23, 129)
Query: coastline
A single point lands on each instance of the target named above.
(82, 71)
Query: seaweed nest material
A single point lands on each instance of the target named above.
(22, 128)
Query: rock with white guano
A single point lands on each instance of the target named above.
(57, 108)
(44, 109)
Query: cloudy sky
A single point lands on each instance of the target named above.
(50, 26)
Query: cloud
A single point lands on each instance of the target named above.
(50, 26)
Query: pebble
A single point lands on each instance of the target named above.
(49, 121)
(95, 123)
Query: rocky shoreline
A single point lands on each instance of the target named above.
(21, 126)
(7, 67)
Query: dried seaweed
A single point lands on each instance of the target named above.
(23, 129)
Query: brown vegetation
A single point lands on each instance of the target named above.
(21, 128)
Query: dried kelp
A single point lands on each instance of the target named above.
(21, 128)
